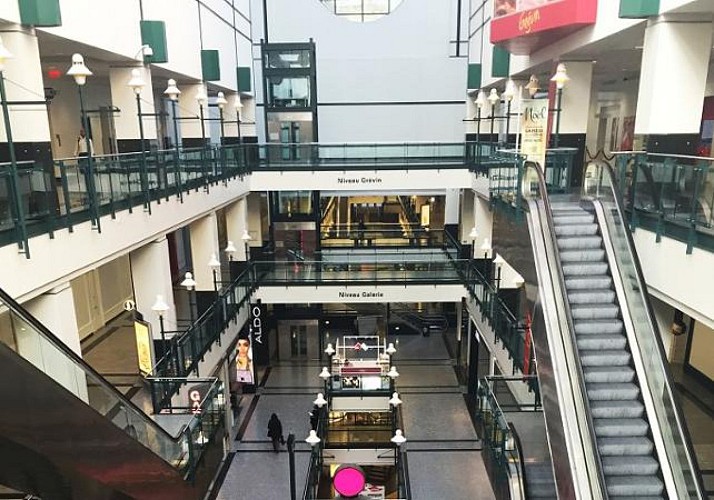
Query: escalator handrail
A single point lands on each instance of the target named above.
(545, 199)
(518, 448)
(45, 332)
(642, 285)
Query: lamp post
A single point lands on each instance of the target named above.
(173, 93)
(80, 72)
(494, 99)
(560, 78)
(239, 108)
(291, 458)
(532, 86)
(486, 247)
(137, 84)
(202, 100)
(330, 351)
(314, 441)
(230, 250)
(480, 103)
(221, 103)
(392, 374)
(508, 95)
(160, 307)
(398, 439)
(473, 235)
(215, 266)
(498, 261)
(246, 242)
(390, 350)
(325, 375)
(190, 284)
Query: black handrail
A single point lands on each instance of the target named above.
(518, 448)
(569, 319)
(617, 195)
(57, 343)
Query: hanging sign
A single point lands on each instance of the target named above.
(534, 129)
(142, 332)
(259, 333)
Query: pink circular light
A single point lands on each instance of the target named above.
(349, 480)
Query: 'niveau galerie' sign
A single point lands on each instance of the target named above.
(523, 26)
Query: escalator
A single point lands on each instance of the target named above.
(66, 433)
(418, 321)
(615, 429)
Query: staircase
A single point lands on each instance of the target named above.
(630, 466)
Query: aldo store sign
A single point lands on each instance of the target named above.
(259, 333)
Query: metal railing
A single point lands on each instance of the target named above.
(671, 195)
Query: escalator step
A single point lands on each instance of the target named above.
(610, 358)
(609, 326)
(612, 374)
(617, 409)
(580, 243)
(621, 427)
(593, 296)
(591, 256)
(612, 392)
(576, 230)
(624, 446)
(597, 269)
(565, 219)
(634, 486)
(624, 466)
(594, 283)
(606, 341)
(610, 311)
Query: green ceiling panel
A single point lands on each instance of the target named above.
(44, 13)
(153, 34)
(500, 62)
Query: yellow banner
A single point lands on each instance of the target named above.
(143, 346)
(534, 129)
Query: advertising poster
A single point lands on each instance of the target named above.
(534, 129)
(245, 370)
(196, 394)
(142, 331)
(507, 7)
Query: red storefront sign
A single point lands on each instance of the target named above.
(523, 26)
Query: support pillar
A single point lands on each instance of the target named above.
(451, 208)
(29, 123)
(483, 220)
(467, 219)
(229, 115)
(55, 310)
(204, 244)
(151, 276)
(126, 123)
(190, 114)
(254, 219)
(236, 224)
(669, 110)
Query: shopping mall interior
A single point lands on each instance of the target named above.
(367, 249)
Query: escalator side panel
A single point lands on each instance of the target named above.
(42, 417)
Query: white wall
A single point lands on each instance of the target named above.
(402, 57)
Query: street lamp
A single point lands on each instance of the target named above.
(398, 439)
(202, 100)
(239, 108)
(173, 93)
(137, 84)
(80, 72)
(160, 307)
(246, 241)
(230, 250)
(390, 350)
(320, 401)
(473, 235)
(312, 438)
(560, 78)
(498, 261)
(215, 266)
(221, 103)
(532, 86)
(508, 95)
(395, 401)
(486, 247)
(190, 284)
(494, 99)
(325, 375)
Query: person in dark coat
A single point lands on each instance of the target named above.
(275, 432)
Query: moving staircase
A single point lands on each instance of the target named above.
(630, 464)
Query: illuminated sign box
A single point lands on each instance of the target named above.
(524, 26)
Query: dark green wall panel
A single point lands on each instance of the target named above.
(153, 34)
(500, 62)
(210, 65)
(245, 80)
(45, 13)
(474, 76)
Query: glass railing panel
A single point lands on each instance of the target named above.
(656, 371)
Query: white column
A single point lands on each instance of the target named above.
(254, 220)
(204, 244)
(467, 216)
(236, 224)
(483, 220)
(55, 310)
(189, 111)
(23, 82)
(126, 122)
(229, 115)
(451, 207)
(151, 276)
(675, 63)
(575, 106)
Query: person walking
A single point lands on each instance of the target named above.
(275, 432)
